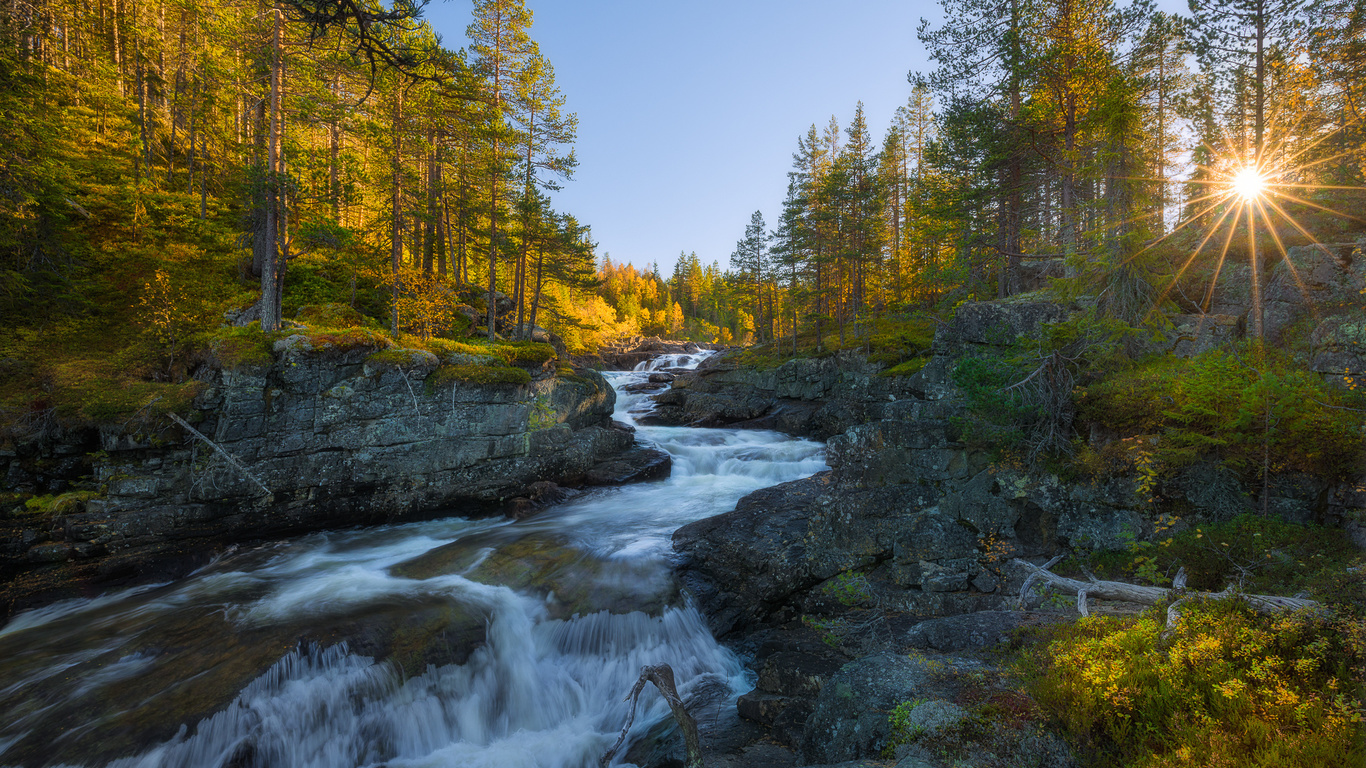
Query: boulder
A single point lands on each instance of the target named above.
(1196, 334)
(1339, 347)
(634, 466)
(849, 720)
(1312, 281)
(969, 631)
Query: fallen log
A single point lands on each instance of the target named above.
(662, 675)
(1134, 593)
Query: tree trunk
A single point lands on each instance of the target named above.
(270, 269)
(334, 152)
(396, 210)
(1133, 593)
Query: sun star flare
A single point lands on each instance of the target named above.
(1249, 184)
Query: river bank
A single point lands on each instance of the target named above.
(492, 641)
(317, 432)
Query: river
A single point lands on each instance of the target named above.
(506, 644)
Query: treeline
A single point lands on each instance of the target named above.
(697, 301)
(311, 133)
(1070, 138)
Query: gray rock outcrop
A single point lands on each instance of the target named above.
(317, 438)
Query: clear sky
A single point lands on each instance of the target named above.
(689, 112)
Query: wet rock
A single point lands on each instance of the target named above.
(661, 378)
(637, 465)
(789, 726)
(574, 581)
(49, 553)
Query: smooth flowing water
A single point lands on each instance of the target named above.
(505, 644)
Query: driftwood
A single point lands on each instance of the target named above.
(221, 452)
(1134, 593)
(662, 675)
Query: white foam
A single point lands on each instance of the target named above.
(539, 692)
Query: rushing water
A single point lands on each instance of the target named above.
(260, 658)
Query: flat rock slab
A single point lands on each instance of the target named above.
(634, 466)
(976, 630)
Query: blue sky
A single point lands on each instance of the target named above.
(689, 112)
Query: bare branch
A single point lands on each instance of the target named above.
(662, 675)
(221, 452)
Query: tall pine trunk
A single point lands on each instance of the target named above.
(271, 274)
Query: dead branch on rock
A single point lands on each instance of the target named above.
(1134, 593)
(221, 452)
(662, 675)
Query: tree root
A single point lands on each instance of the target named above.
(662, 675)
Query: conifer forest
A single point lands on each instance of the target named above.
(1024, 429)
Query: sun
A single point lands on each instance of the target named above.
(1249, 184)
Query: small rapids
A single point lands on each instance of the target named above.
(209, 669)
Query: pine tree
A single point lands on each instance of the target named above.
(1240, 36)
(502, 49)
(751, 260)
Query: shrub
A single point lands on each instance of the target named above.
(1268, 415)
(1256, 554)
(1227, 687)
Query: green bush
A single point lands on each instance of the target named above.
(1226, 687)
(1259, 413)
(1257, 554)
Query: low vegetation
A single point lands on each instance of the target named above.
(1226, 686)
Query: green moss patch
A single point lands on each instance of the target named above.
(398, 358)
(525, 354)
(331, 316)
(53, 505)
(347, 338)
(908, 368)
(235, 348)
(484, 375)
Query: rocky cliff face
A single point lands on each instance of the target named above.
(809, 397)
(316, 438)
(928, 522)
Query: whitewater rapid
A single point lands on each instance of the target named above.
(544, 690)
